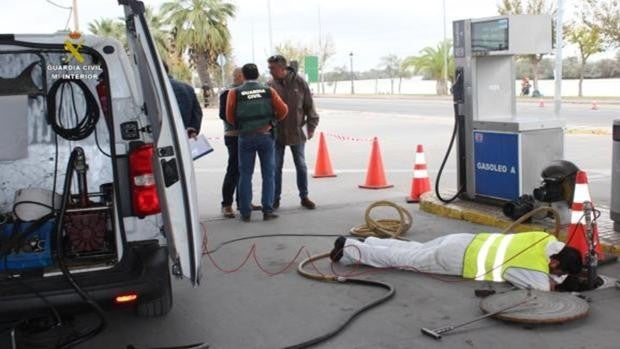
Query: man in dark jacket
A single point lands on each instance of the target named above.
(231, 135)
(297, 96)
(188, 104)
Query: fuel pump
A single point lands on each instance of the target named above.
(499, 154)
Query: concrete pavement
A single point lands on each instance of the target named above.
(250, 309)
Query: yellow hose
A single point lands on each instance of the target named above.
(384, 228)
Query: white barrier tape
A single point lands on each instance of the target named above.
(348, 138)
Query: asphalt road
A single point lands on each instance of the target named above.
(576, 115)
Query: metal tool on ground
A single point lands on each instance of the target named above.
(577, 237)
(592, 259)
(437, 332)
(420, 183)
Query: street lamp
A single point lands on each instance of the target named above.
(222, 60)
(352, 87)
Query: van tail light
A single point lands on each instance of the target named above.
(126, 298)
(144, 196)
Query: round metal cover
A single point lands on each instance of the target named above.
(543, 308)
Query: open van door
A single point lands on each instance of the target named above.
(172, 159)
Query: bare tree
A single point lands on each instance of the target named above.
(326, 51)
(533, 7)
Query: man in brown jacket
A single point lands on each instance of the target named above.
(289, 132)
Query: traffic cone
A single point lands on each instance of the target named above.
(541, 103)
(594, 106)
(323, 166)
(577, 236)
(420, 183)
(375, 176)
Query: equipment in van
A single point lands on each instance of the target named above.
(25, 246)
(87, 223)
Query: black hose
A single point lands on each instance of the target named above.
(445, 159)
(353, 316)
(83, 127)
(63, 267)
(320, 339)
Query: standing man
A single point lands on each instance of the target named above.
(253, 108)
(188, 104)
(231, 139)
(296, 94)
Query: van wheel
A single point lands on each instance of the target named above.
(159, 306)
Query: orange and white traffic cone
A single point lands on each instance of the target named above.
(375, 176)
(420, 183)
(323, 166)
(594, 106)
(541, 103)
(577, 236)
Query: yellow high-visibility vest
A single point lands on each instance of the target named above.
(489, 255)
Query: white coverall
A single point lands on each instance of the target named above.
(443, 255)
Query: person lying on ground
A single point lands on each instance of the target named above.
(535, 260)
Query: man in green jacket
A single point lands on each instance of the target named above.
(253, 108)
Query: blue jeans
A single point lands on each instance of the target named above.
(249, 146)
(299, 159)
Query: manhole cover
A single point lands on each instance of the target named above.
(544, 307)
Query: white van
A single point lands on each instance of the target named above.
(96, 175)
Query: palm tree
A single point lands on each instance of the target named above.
(199, 27)
(161, 37)
(106, 27)
(430, 62)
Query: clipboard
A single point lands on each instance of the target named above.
(199, 147)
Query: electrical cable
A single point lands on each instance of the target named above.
(82, 128)
(373, 283)
(70, 8)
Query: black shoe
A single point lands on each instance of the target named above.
(307, 203)
(257, 207)
(246, 218)
(269, 216)
(276, 204)
(337, 252)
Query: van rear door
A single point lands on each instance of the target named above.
(172, 160)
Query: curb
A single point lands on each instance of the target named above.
(430, 204)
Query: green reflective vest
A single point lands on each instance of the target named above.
(254, 107)
(489, 255)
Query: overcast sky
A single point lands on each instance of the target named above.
(368, 28)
